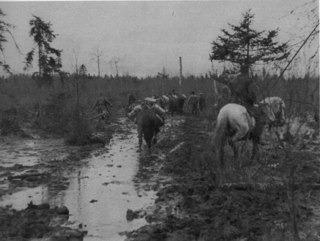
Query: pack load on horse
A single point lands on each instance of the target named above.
(193, 103)
(149, 117)
(234, 123)
(163, 101)
(102, 107)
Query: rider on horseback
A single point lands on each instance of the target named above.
(243, 92)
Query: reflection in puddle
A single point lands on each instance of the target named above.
(99, 194)
(31, 152)
(19, 200)
(112, 187)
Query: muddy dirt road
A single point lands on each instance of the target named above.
(98, 189)
(116, 193)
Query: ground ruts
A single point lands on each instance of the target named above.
(252, 204)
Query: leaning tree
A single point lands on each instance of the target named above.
(245, 46)
(5, 30)
(49, 58)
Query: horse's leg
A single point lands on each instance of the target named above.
(235, 152)
(155, 139)
(221, 153)
(149, 146)
(241, 132)
(221, 156)
(140, 136)
(255, 148)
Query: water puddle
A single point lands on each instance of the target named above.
(19, 200)
(32, 151)
(99, 193)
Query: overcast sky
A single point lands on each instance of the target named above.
(145, 36)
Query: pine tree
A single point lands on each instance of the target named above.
(49, 59)
(83, 70)
(245, 46)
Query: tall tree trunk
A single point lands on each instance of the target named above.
(39, 59)
(99, 66)
(247, 67)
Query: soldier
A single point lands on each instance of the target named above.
(174, 94)
(102, 106)
(242, 88)
(131, 100)
(202, 102)
(242, 91)
(193, 103)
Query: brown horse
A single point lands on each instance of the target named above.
(149, 121)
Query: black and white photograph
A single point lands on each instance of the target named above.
(159, 120)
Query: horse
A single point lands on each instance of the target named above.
(277, 106)
(164, 101)
(235, 124)
(193, 104)
(176, 104)
(149, 121)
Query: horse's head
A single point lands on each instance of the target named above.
(281, 118)
(266, 114)
(277, 107)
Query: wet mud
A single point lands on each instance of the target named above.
(33, 171)
(97, 185)
(252, 202)
(175, 193)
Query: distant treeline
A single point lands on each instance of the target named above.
(25, 91)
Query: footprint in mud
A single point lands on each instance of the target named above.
(116, 182)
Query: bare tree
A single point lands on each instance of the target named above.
(98, 53)
(76, 59)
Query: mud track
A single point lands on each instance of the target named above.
(32, 174)
(252, 203)
(176, 193)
